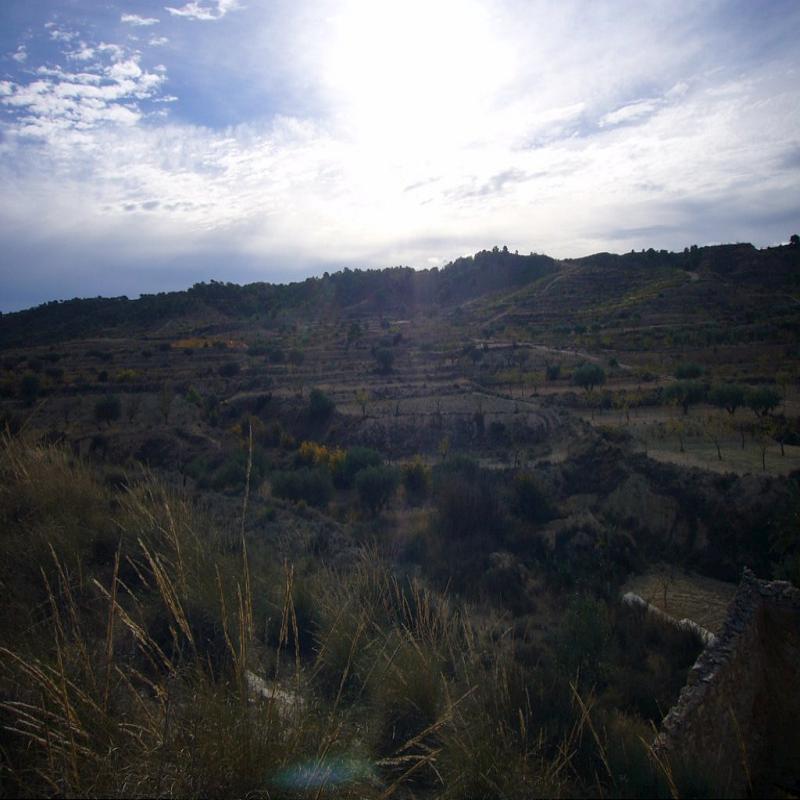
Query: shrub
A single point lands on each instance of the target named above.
(310, 485)
(553, 372)
(126, 375)
(585, 631)
(229, 369)
(194, 397)
(318, 455)
(9, 423)
(685, 394)
(762, 400)
(498, 432)
(384, 358)
(108, 409)
(530, 501)
(356, 459)
(320, 406)
(375, 486)
(233, 472)
(686, 372)
(30, 388)
(467, 501)
(416, 477)
(587, 376)
(276, 355)
(728, 396)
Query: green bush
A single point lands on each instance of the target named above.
(229, 369)
(320, 406)
(384, 358)
(313, 486)
(584, 633)
(685, 394)
(587, 376)
(686, 372)
(356, 459)
(375, 486)
(762, 400)
(108, 409)
(530, 500)
(728, 396)
(416, 478)
(30, 388)
(467, 501)
(233, 472)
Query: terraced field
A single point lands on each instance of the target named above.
(684, 595)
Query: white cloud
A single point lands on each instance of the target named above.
(58, 35)
(83, 53)
(114, 51)
(58, 101)
(20, 55)
(158, 41)
(138, 21)
(201, 11)
(404, 142)
(630, 112)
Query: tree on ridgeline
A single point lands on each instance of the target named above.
(589, 375)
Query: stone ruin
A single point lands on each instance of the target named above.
(737, 719)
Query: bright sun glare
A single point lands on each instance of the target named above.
(412, 77)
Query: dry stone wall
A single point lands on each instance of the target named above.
(738, 717)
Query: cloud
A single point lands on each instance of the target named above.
(157, 41)
(59, 35)
(373, 139)
(199, 11)
(20, 55)
(109, 91)
(138, 21)
(83, 53)
(630, 112)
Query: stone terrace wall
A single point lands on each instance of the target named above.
(738, 717)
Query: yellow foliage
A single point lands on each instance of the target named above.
(321, 456)
(198, 342)
(126, 375)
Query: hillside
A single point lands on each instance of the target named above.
(374, 527)
(534, 287)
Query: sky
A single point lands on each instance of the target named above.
(146, 145)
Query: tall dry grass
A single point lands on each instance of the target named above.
(142, 655)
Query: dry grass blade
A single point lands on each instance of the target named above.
(587, 718)
(138, 632)
(361, 627)
(110, 626)
(663, 765)
(248, 589)
(238, 667)
(168, 594)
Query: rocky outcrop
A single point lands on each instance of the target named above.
(738, 717)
